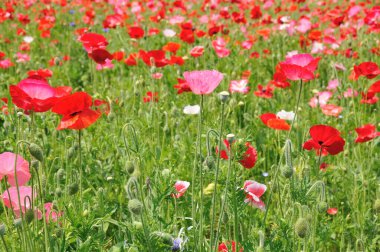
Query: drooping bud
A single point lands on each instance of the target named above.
(322, 206)
(29, 215)
(18, 223)
(135, 206)
(288, 153)
(36, 152)
(130, 167)
(376, 205)
(3, 229)
(287, 171)
(73, 188)
(209, 162)
(302, 227)
(162, 237)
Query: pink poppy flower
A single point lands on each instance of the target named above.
(239, 86)
(331, 110)
(299, 67)
(203, 82)
(254, 191)
(7, 168)
(180, 187)
(333, 84)
(197, 51)
(350, 93)
(321, 99)
(339, 66)
(11, 200)
(21, 58)
(6, 63)
(50, 214)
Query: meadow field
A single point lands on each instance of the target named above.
(186, 125)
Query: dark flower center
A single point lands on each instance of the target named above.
(320, 142)
(74, 114)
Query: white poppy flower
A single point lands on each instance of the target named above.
(192, 110)
(286, 115)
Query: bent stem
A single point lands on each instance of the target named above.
(216, 174)
(281, 156)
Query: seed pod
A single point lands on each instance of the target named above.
(137, 225)
(58, 192)
(61, 174)
(29, 215)
(36, 152)
(302, 227)
(322, 206)
(135, 206)
(223, 96)
(73, 188)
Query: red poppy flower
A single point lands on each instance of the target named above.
(119, 55)
(35, 94)
(100, 56)
(136, 32)
(368, 69)
(151, 97)
(248, 158)
(92, 41)
(264, 92)
(366, 133)
(4, 105)
(228, 247)
(326, 139)
(274, 122)
(187, 36)
(300, 67)
(44, 73)
(197, 51)
(76, 111)
(279, 80)
(171, 47)
(154, 58)
(112, 21)
(131, 60)
(332, 211)
(182, 86)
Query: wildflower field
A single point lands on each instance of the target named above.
(189, 125)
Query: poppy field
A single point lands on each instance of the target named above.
(185, 125)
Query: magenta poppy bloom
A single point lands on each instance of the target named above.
(180, 187)
(7, 168)
(11, 199)
(203, 82)
(299, 67)
(35, 94)
(254, 191)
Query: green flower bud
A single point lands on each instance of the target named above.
(61, 174)
(35, 164)
(287, 171)
(36, 152)
(165, 173)
(322, 206)
(73, 188)
(29, 215)
(18, 223)
(162, 237)
(3, 229)
(130, 167)
(58, 192)
(133, 249)
(376, 206)
(135, 206)
(209, 162)
(137, 225)
(302, 227)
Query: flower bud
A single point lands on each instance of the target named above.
(322, 206)
(209, 162)
(376, 206)
(135, 206)
(29, 215)
(162, 237)
(73, 188)
(3, 229)
(165, 173)
(36, 152)
(287, 171)
(302, 227)
(137, 225)
(35, 164)
(130, 167)
(58, 192)
(61, 174)
(18, 223)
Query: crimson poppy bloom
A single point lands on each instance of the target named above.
(92, 41)
(197, 51)
(112, 21)
(366, 133)
(182, 86)
(332, 211)
(136, 32)
(154, 58)
(44, 73)
(324, 140)
(274, 122)
(228, 247)
(368, 69)
(76, 111)
(100, 56)
(35, 94)
(299, 67)
(248, 158)
(264, 92)
(151, 97)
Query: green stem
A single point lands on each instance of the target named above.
(216, 174)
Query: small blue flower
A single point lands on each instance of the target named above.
(72, 24)
(71, 11)
(106, 30)
(177, 244)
